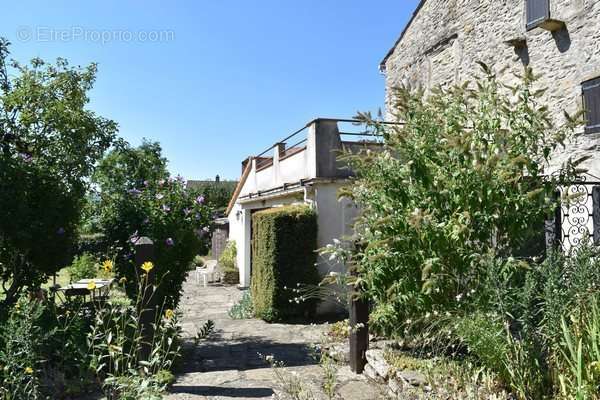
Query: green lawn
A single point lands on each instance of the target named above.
(63, 277)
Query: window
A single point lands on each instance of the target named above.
(591, 105)
(538, 11)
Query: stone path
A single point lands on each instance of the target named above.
(228, 365)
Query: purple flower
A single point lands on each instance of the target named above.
(180, 179)
(160, 196)
(26, 157)
(60, 231)
(134, 191)
(146, 183)
(166, 208)
(200, 199)
(170, 242)
(198, 216)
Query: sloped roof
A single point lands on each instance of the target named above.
(239, 186)
(391, 51)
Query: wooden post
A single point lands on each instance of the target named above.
(359, 333)
(144, 252)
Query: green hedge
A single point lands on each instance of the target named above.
(95, 244)
(283, 257)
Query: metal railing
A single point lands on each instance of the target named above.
(576, 222)
(264, 159)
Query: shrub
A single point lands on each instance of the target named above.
(175, 219)
(231, 276)
(83, 266)
(243, 309)
(579, 352)
(339, 330)
(227, 262)
(118, 344)
(22, 338)
(43, 351)
(455, 195)
(228, 257)
(94, 244)
(283, 256)
(463, 177)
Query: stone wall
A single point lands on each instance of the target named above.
(447, 37)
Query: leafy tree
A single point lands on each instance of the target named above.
(49, 145)
(127, 167)
(463, 180)
(123, 168)
(217, 193)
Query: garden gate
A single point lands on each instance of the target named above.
(578, 218)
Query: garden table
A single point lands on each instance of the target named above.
(81, 288)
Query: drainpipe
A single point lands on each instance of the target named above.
(308, 189)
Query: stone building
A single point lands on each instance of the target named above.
(559, 39)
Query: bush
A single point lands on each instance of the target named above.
(138, 198)
(579, 352)
(244, 309)
(93, 244)
(455, 195)
(172, 217)
(43, 351)
(22, 339)
(118, 343)
(83, 266)
(283, 256)
(462, 178)
(227, 262)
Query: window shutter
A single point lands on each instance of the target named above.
(591, 104)
(596, 213)
(537, 11)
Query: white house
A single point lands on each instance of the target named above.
(307, 172)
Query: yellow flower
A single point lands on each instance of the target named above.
(169, 314)
(29, 370)
(147, 266)
(91, 285)
(107, 265)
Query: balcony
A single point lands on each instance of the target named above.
(307, 155)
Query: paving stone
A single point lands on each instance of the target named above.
(370, 373)
(394, 385)
(357, 390)
(227, 364)
(377, 361)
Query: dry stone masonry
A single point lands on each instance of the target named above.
(446, 38)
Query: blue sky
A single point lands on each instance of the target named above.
(216, 81)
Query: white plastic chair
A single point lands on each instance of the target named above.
(207, 272)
